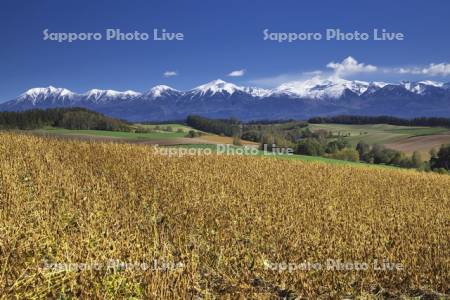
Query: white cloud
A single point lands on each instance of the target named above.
(438, 69)
(442, 69)
(237, 73)
(170, 73)
(350, 66)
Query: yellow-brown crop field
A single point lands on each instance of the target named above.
(91, 220)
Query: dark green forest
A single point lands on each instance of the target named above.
(69, 118)
(366, 120)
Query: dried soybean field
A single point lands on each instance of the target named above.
(95, 220)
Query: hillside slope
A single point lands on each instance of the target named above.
(216, 226)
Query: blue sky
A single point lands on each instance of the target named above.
(219, 37)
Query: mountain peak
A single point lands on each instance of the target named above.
(318, 87)
(420, 87)
(217, 86)
(379, 84)
(162, 87)
(257, 92)
(131, 93)
(38, 94)
(218, 98)
(111, 92)
(159, 90)
(432, 83)
(97, 95)
(98, 91)
(46, 90)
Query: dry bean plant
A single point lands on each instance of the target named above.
(98, 220)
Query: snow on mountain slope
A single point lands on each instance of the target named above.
(379, 84)
(314, 88)
(375, 86)
(430, 82)
(160, 91)
(214, 87)
(46, 94)
(102, 96)
(220, 99)
(257, 92)
(420, 87)
(319, 88)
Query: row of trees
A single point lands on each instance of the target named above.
(90, 120)
(70, 118)
(320, 147)
(440, 161)
(30, 119)
(374, 154)
(378, 154)
(227, 127)
(363, 120)
(258, 131)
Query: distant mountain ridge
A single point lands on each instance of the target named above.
(220, 99)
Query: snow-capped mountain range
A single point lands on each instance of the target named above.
(298, 99)
(317, 88)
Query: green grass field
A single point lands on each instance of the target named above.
(174, 126)
(169, 135)
(291, 157)
(377, 134)
(371, 134)
(111, 134)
